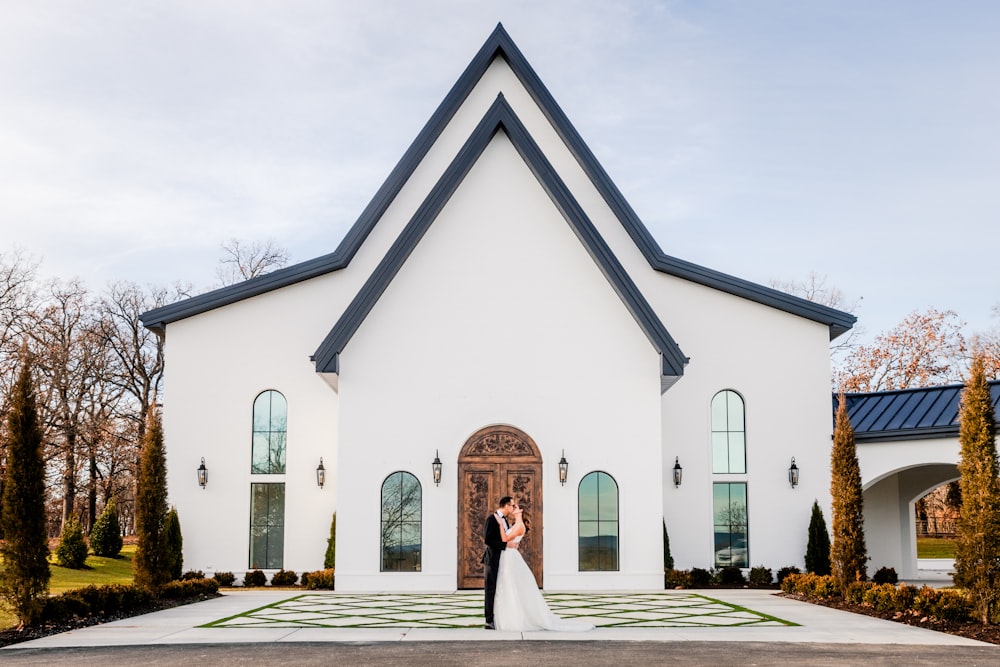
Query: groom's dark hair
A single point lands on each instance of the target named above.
(506, 500)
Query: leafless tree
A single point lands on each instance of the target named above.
(243, 260)
(815, 288)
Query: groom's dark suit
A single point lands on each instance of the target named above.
(491, 559)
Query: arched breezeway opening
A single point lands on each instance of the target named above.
(890, 518)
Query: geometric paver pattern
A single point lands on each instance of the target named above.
(666, 609)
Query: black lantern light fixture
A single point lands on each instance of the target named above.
(202, 474)
(436, 468)
(678, 471)
(563, 469)
(320, 473)
(793, 474)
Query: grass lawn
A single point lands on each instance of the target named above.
(99, 571)
(935, 547)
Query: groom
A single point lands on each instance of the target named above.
(494, 547)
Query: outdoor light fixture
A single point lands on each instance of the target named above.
(793, 474)
(320, 473)
(436, 468)
(678, 471)
(202, 474)
(563, 469)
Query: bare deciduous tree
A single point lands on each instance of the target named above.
(815, 289)
(242, 260)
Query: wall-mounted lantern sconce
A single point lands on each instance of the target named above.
(320, 473)
(563, 469)
(793, 474)
(436, 468)
(202, 474)
(678, 471)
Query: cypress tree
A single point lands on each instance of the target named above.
(174, 544)
(818, 547)
(977, 556)
(668, 559)
(330, 559)
(24, 565)
(106, 535)
(848, 553)
(151, 566)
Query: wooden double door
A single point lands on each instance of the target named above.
(497, 461)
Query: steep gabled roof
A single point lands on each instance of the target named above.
(499, 45)
(501, 118)
(908, 414)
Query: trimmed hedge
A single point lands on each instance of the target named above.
(320, 579)
(760, 577)
(189, 588)
(284, 578)
(224, 578)
(255, 578)
(94, 601)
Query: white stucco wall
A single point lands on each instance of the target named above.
(500, 316)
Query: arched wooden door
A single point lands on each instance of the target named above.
(497, 461)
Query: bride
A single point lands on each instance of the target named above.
(518, 604)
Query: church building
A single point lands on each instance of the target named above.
(498, 321)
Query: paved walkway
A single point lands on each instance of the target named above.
(262, 616)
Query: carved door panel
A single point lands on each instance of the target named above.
(497, 461)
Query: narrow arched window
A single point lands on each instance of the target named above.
(401, 544)
(598, 527)
(729, 448)
(270, 425)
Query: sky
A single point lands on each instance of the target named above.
(767, 139)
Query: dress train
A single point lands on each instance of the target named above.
(519, 605)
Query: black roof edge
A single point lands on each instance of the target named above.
(927, 433)
(500, 44)
(500, 117)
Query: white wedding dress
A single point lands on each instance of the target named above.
(518, 604)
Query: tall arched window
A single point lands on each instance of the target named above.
(401, 545)
(270, 424)
(598, 515)
(729, 443)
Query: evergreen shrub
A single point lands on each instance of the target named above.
(192, 574)
(731, 575)
(225, 578)
(254, 578)
(106, 534)
(943, 603)
(760, 577)
(320, 579)
(173, 544)
(885, 575)
(284, 578)
(818, 547)
(189, 588)
(677, 579)
(330, 558)
(72, 549)
(785, 571)
(700, 578)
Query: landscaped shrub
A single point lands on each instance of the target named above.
(189, 588)
(881, 597)
(811, 585)
(330, 558)
(106, 534)
(818, 546)
(885, 575)
(760, 577)
(254, 578)
(946, 604)
(192, 574)
(284, 578)
(700, 578)
(668, 559)
(785, 571)
(224, 578)
(905, 597)
(94, 600)
(320, 579)
(173, 543)
(855, 592)
(677, 579)
(72, 549)
(731, 575)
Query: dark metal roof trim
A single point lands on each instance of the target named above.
(500, 117)
(499, 44)
(908, 414)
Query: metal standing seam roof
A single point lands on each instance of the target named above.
(498, 45)
(908, 414)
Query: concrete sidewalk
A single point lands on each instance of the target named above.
(180, 625)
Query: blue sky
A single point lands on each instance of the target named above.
(768, 140)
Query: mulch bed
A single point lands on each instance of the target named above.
(983, 633)
(14, 636)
